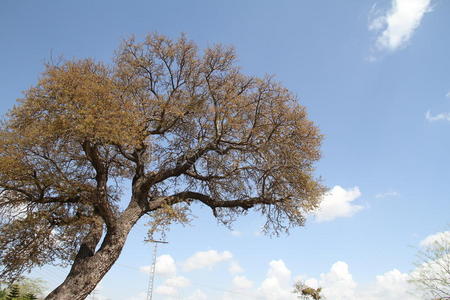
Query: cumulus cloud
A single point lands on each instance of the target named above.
(242, 283)
(177, 281)
(338, 283)
(438, 117)
(392, 285)
(396, 26)
(433, 238)
(166, 290)
(338, 203)
(273, 289)
(140, 296)
(171, 286)
(277, 285)
(235, 268)
(278, 270)
(165, 265)
(206, 259)
(198, 295)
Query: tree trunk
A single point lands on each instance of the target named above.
(87, 271)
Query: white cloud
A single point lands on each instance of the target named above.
(235, 268)
(447, 95)
(338, 283)
(338, 203)
(278, 284)
(279, 270)
(171, 286)
(166, 290)
(165, 265)
(392, 285)
(206, 259)
(438, 117)
(242, 283)
(178, 282)
(236, 233)
(198, 295)
(258, 233)
(272, 289)
(433, 238)
(140, 296)
(387, 194)
(396, 26)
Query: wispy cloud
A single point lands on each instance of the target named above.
(395, 27)
(439, 117)
(387, 194)
(236, 233)
(447, 95)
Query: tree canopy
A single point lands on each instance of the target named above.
(432, 275)
(303, 291)
(177, 125)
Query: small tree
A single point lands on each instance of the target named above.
(25, 287)
(306, 292)
(432, 275)
(13, 293)
(30, 296)
(177, 126)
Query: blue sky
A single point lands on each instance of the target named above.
(374, 76)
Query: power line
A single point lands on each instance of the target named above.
(202, 285)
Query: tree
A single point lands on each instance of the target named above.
(178, 126)
(432, 275)
(30, 296)
(13, 293)
(25, 288)
(306, 292)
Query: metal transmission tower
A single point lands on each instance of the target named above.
(152, 270)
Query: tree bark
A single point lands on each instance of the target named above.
(87, 270)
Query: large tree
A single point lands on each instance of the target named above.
(177, 125)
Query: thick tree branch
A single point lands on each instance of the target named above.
(184, 163)
(215, 203)
(102, 207)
